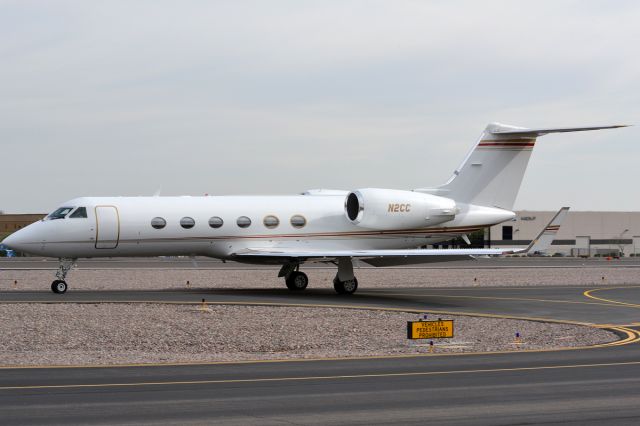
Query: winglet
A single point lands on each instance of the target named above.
(544, 239)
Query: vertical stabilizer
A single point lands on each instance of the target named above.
(492, 172)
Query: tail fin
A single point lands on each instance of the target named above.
(492, 172)
(543, 241)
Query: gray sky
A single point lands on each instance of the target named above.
(224, 97)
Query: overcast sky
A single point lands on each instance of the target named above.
(262, 97)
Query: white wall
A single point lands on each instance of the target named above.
(596, 225)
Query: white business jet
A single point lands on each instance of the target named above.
(381, 227)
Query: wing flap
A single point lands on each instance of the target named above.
(371, 254)
(413, 260)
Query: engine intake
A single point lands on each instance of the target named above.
(386, 209)
(354, 206)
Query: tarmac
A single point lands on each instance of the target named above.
(584, 386)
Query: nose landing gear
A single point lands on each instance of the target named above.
(59, 286)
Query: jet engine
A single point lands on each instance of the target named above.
(385, 209)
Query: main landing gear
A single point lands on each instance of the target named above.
(59, 286)
(293, 278)
(345, 287)
(297, 281)
(344, 283)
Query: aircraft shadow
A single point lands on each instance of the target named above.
(325, 296)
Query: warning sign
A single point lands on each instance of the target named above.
(429, 329)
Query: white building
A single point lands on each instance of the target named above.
(581, 233)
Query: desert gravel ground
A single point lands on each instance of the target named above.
(244, 277)
(119, 333)
(71, 334)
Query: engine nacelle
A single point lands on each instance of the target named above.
(386, 209)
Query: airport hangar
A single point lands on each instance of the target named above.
(583, 233)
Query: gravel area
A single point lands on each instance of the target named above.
(136, 333)
(70, 334)
(154, 279)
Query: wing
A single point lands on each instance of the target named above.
(373, 257)
(400, 256)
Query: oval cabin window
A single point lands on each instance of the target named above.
(216, 222)
(158, 223)
(298, 221)
(271, 221)
(243, 222)
(187, 222)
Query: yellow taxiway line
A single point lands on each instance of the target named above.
(589, 294)
(517, 299)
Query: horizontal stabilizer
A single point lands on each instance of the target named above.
(539, 132)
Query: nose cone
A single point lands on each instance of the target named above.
(13, 241)
(22, 240)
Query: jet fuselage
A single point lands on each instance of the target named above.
(218, 226)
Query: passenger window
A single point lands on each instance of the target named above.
(216, 222)
(60, 213)
(81, 212)
(158, 223)
(271, 221)
(187, 222)
(243, 222)
(298, 221)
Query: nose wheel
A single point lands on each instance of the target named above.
(59, 286)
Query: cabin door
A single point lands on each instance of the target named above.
(107, 227)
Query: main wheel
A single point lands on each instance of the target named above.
(297, 281)
(59, 286)
(345, 287)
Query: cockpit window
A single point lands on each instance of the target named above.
(80, 212)
(60, 213)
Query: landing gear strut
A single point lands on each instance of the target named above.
(59, 286)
